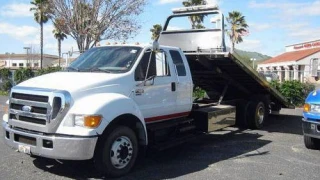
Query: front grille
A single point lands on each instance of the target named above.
(30, 97)
(28, 119)
(39, 110)
(29, 108)
(36, 109)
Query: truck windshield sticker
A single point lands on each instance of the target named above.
(133, 51)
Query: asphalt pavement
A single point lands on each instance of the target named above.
(276, 152)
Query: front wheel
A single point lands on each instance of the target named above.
(116, 152)
(311, 143)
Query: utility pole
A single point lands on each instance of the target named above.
(28, 60)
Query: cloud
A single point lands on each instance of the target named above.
(18, 32)
(30, 36)
(260, 27)
(294, 26)
(16, 10)
(169, 1)
(289, 9)
(174, 1)
(250, 45)
(306, 34)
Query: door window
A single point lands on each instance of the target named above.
(152, 64)
(177, 60)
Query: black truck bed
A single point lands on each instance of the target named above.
(212, 72)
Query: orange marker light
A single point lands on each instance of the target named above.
(92, 121)
(306, 108)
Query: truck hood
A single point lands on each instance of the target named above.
(74, 81)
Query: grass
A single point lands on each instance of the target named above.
(4, 93)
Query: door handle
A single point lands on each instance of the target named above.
(173, 86)
(139, 92)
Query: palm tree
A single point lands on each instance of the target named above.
(156, 30)
(41, 11)
(195, 20)
(238, 27)
(59, 35)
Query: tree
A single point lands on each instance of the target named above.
(156, 30)
(89, 21)
(41, 9)
(195, 20)
(238, 27)
(59, 35)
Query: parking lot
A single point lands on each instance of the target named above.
(276, 152)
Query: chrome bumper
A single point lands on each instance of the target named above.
(63, 147)
(311, 128)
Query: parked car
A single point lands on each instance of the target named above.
(311, 120)
(271, 76)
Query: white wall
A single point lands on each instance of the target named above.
(10, 63)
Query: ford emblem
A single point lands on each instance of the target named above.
(26, 108)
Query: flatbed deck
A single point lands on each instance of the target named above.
(213, 72)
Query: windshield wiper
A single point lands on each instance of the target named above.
(95, 69)
(72, 69)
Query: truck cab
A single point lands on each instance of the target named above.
(72, 114)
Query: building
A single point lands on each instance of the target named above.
(15, 61)
(299, 62)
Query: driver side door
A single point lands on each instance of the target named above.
(155, 97)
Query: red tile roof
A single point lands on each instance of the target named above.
(292, 56)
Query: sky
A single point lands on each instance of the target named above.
(272, 24)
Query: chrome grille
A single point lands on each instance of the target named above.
(38, 109)
(30, 97)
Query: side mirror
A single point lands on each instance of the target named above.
(149, 81)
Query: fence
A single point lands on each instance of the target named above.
(283, 75)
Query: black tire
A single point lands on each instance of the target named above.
(311, 143)
(124, 142)
(256, 114)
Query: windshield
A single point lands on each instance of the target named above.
(117, 59)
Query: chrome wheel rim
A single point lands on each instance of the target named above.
(121, 152)
(260, 114)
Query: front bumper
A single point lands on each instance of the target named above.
(311, 128)
(63, 147)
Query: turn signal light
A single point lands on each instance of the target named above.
(306, 108)
(92, 121)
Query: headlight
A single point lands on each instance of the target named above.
(315, 108)
(89, 121)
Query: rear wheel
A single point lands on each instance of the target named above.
(116, 152)
(256, 114)
(311, 143)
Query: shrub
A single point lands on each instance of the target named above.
(6, 79)
(275, 84)
(295, 91)
(5, 73)
(23, 74)
(198, 93)
(47, 70)
(6, 85)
